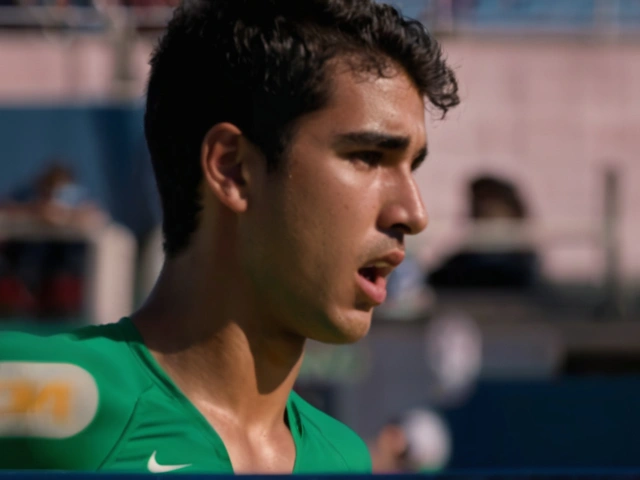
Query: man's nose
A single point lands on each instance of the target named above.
(405, 210)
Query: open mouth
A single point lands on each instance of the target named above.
(373, 283)
(372, 277)
(369, 273)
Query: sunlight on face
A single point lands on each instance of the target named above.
(332, 223)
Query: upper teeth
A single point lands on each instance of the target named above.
(379, 265)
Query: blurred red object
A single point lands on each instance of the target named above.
(15, 297)
(62, 295)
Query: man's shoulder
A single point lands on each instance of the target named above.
(65, 398)
(339, 436)
(98, 348)
(14, 341)
(92, 357)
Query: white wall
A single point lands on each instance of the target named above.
(551, 116)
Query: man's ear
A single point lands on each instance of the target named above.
(222, 166)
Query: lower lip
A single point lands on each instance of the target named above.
(376, 291)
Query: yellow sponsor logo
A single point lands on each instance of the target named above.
(48, 400)
(29, 398)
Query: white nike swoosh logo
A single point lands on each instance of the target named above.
(155, 467)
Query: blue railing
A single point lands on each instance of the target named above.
(544, 16)
(596, 474)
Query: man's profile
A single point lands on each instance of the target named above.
(284, 135)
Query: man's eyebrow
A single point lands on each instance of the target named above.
(372, 139)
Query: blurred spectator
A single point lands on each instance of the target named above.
(53, 3)
(44, 276)
(498, 212)
(418, 441)
(88, 3)
(493, 198)
(454, 357)
(54, 198)
(150, 3)
(464, 8)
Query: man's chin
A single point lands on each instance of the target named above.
(346, 328)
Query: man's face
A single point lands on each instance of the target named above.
(324, 232)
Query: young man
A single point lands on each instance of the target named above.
(284, 135)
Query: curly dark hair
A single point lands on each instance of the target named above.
(260, 65)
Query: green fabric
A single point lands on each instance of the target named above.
(96, 400)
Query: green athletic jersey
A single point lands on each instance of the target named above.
(96, 400)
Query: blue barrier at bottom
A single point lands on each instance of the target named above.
(590, 474)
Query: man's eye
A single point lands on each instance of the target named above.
(371, 158)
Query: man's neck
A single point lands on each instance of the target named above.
(220, 351)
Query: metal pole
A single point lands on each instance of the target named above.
(611, 214)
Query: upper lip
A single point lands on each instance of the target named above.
(387, 263)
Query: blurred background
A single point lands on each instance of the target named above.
(511, 337)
